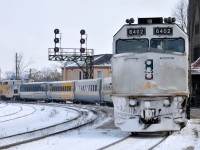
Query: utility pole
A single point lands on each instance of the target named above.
(0, 74)
(30, 74)
(16, 68)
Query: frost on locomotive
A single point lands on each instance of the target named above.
(150, 76)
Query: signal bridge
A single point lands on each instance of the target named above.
(67, 54)
(74, 54)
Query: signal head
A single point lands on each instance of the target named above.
(82, 41)
(56, 31)
(56, 49)
(56, 40)
(82, 50)
(82, 32)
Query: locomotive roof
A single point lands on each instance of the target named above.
(125, 26)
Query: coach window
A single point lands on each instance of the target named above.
(15, 91)
(95, 88)
(132, 45)
(167, 45)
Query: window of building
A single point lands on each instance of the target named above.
(80, 75)
(99, 74)
(197, 28)
(196, 53)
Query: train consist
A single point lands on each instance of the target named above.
(84, 91)
(150, 76)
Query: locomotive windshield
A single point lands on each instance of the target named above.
(167, 45)
(163, 45)
(132, 45)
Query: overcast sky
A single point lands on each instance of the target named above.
(27, 25)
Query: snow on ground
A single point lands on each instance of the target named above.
(92, 137)
(188, 138)
(31, 117)
(87, 138)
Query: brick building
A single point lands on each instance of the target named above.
(194, 28)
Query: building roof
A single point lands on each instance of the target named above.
(100, 60)
(195, 67)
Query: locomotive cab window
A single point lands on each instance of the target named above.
(132, 45)
(168, 45)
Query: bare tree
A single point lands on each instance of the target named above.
(45, 74)
(20, 65)
(180, 12)
(50, 74)
(9, 75)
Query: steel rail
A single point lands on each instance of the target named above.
(151, 148)
(20, 116)
(40, 129)
(114, 143)
(128, 136)
(4, 106)
(12, 113)
(55, 133)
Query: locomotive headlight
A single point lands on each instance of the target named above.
(166, 103)
(178, 99)
(133, 102)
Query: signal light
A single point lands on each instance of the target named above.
(56, 40)
(82, 50)
(56, 49)
(82, 41)
(82, 32)
(56, 31)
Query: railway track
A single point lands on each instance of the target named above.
(20, 109)
(21, 116)
(114, 143)
(83, 118)
(4, 105)
(136, 142)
